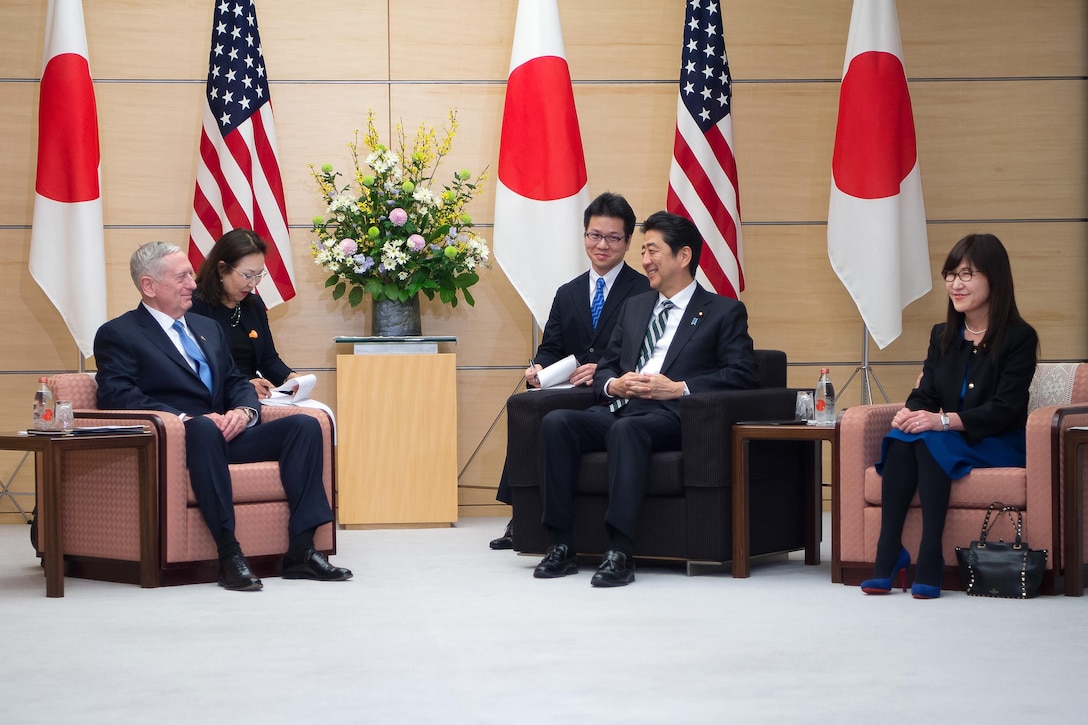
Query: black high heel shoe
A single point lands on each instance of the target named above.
(884, 586)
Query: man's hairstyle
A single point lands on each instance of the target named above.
(230, 248)
(611, 205)
(147, 260)
(678, 233)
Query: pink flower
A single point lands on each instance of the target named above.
(398, 217)
(416, 242)
(348, 247)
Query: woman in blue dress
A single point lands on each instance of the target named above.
(970, 409)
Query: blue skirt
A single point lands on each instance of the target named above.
(957, 457)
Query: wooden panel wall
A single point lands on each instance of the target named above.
(1001, 106)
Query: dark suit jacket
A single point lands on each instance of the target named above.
(996, 399)
(251, 354)
(139, 368)
(710, 351)
(569, 330)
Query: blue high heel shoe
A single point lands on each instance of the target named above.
(926, 591)
(884, 586)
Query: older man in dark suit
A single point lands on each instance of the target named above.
(679, 339)
(585, 310)
(157, 357)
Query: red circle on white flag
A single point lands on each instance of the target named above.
(68, 151)
(875, 145)
(540, 155)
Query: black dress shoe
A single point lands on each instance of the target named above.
(314, 565)
(506, 541)
(617, 570)
(559, 561)
(235, 575)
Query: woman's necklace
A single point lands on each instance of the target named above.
(236, 316)
(966, 326)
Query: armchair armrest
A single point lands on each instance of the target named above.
(1044, 463)
(706, 420)
(861, 430)
(524, 413)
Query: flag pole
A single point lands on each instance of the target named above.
(866, 371)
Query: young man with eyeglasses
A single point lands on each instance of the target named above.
(585, 310)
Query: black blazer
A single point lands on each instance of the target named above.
(570, 331)
(140, 369)
(996, 399)
(710, 351)
(259, 352)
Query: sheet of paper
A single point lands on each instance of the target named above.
(557, 375)
(293, 391)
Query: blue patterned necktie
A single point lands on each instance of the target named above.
(597, 305)
(193, 350)
(653, 334)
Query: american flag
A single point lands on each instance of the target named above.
(703, 174)
(238, 179)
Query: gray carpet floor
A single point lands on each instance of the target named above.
(435, 627)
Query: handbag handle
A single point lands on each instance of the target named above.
(1001, 508)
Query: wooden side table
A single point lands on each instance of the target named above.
(1073, 442)
(743, 434)
(49, 452)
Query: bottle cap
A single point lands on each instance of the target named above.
(43, 380)
(824, 371)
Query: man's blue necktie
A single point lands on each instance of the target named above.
(193, 350)
(597, 305)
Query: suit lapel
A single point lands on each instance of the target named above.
(693, 317)
(580, 303)
(641, 309)
(616, 297)
(158, 337)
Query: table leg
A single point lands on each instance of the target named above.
(1074, 524)
(813, 503)
(741, 535)
(836, 560)
(50, 526)
(149, 516)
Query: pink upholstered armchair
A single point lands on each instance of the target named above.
(1059, 394)
(101, 495)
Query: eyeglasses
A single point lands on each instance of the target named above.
(250, 277)
(612, 239)
(964, 274)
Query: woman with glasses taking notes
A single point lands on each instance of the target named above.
(224, 292)
(969, 410)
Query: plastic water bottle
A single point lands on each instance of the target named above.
(825, 398)
(43, 406)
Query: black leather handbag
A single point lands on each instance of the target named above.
(1010, 570)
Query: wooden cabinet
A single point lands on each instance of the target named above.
(396, 440)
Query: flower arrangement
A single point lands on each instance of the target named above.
(390, 234)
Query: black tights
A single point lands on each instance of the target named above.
(909, 467)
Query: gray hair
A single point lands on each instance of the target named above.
(147, 260)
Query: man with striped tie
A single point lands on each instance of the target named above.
(585, 310)
(676, 340)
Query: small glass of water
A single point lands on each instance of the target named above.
(806, 409)
(65, 418)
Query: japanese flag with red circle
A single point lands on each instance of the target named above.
(876, 219)
(542, 191)
(67, 257)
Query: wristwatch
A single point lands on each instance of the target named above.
(945, 422)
